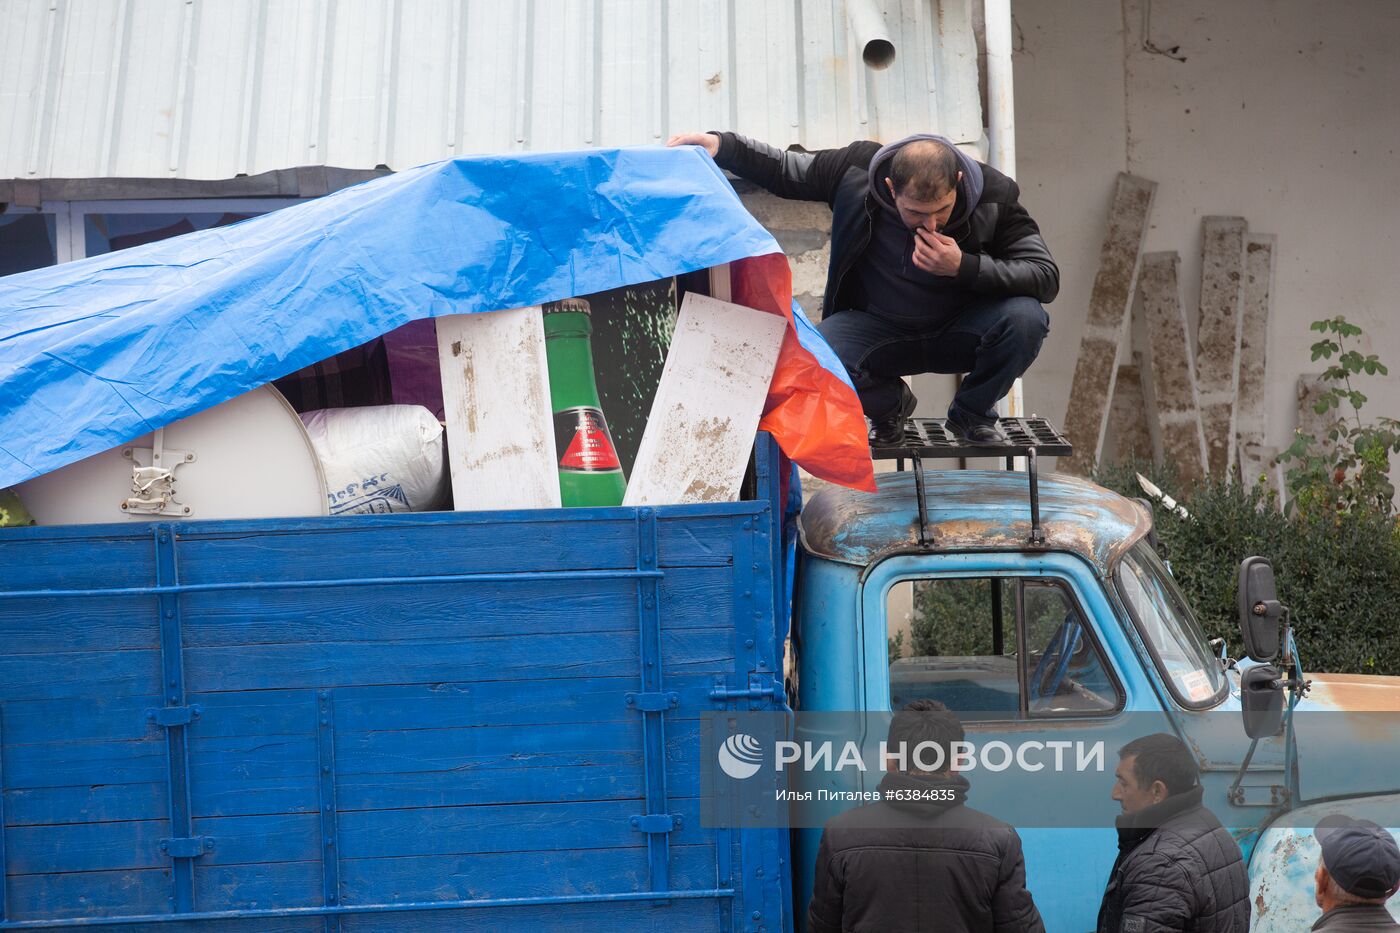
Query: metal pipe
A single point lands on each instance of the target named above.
(695, 894)
(349, 581)
(871, 34)
(1001, 127)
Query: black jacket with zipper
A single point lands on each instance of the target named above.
(1178, 869)
(920, 861)
(1003, 251)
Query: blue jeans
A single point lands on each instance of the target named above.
(992, 340)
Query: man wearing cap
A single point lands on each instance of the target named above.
(1359, 871)
(935, 267)
(1177, 868)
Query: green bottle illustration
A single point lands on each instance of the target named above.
(589, 470)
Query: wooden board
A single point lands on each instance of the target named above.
(1250, 423)
(1172, 366)
(1218, 337)
(701, 429)
(495, 392)
(1095, 372)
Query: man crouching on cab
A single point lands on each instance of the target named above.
(935, 267)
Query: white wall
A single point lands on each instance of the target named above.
(1285, 112)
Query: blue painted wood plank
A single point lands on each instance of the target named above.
(464, 787)
(611, 745)
(79, 719)
(79, 674)
(518, 874)
(76, 558)
(340, 550)
(696, 541)
(259, 925)
(331, 664)
(47, 625)
(120, 846)
(640, 917)
(692, 598)
(65, 764)
(86, 803)
(253, 886)
(543, 827)
(507, 703)
(88, 894)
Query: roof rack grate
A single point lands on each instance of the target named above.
(1031, 438)
(933, 438)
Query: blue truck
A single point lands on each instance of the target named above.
(497, 720)
(492, 720)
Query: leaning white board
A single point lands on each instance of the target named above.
(249, 457)
(707, 407)
(495, 393)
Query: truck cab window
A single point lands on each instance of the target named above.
(1003, 647)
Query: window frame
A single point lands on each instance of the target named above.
(70, 239)
(1039, 574)
(1119, 566)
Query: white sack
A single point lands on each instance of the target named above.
(385, 458)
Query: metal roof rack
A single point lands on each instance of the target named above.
(932, 438)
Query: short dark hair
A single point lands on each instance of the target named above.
(924, 721)
(924, 169)
(1165, 758)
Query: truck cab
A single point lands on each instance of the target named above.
(1050, 614)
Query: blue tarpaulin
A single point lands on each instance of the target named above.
(98, 352)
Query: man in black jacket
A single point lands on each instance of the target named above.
(920, 859)
(935, 267)
(1177, 868)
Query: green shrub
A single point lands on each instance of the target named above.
(1339, 571)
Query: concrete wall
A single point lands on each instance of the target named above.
(1285, 112)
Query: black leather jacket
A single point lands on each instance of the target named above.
(1178, 869)
(1003, 252)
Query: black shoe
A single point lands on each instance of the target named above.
(889, 431)
(982, 435)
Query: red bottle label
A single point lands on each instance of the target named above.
(582, 440)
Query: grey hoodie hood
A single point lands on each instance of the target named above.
(969, 187)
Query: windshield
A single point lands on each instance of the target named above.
(1171, 630)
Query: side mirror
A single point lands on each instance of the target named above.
(1261, 613)
(1261, 698)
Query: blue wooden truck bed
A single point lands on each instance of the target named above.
(464, 721)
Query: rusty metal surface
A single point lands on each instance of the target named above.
(1354, 693)
(971, 510)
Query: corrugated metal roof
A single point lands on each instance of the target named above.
(218, 88)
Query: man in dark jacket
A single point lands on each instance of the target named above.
(920, 859)
(935, 267)
(1177, 869)
(1358, 873)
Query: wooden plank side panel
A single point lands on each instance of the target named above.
(543, 826)
(77, 558)
(639, 917)
(51, 625)
(146, 892)
(519, 874)
(360, 546)
(448, 611)
(496, 658)
(79, 674)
